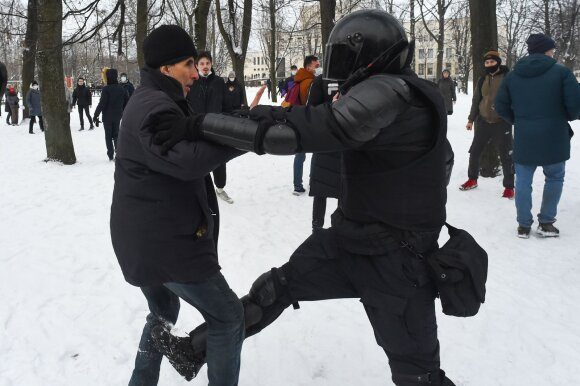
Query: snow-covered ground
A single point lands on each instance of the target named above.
(67, 317)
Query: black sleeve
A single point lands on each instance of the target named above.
(74, 96)
(103, 102)
(316, 94)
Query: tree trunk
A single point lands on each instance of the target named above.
(441, 38)
(483, 20)
(29, 49)
(141, 30)
(547, 24)
(412, 19)
(201, 14)
(327, 15)
(59, 145)
(272, 50)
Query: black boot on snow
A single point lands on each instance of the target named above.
(178, 350)
(548, 230)
(523, 232)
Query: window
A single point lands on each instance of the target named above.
(430, 53)
(421, 53)
(254, 61)
(430, 69)
(421, 69)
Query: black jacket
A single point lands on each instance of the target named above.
(207, 94)
(164, 216)
(447, 90)
(324, 167)
(82, 96)
(113, 100)
(234, 96)
(128, 86)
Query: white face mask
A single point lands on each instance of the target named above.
(123, 79)
(232, 79)
(34, 87)
(293, 72)
(318, 71)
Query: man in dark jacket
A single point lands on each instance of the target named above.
(324, 167)
(234, 94)
(3, 82)
(83, 98)
(208, 96)
(489, 125)
(127, 84)
(113, 100)
(447, 88)
(32, 101)
(540, 96)
(164, 215)
(396, 165)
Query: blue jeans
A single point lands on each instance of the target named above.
(224, 314)
(552, 192)
(298, 169)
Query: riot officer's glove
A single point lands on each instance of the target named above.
(266, 116)
(169, 131)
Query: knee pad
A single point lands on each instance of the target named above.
(268, 288)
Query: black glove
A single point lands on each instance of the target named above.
(266, 116)
(96, 121)
(169, 131)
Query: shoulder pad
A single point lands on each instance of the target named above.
(371, 105)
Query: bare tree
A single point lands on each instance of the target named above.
(461, 43)
(59, 145)
(29, 49)
(513, 15)
(141, 29)
(435, 11)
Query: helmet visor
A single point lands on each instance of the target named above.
(340, 61)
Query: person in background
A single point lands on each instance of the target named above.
(539, 97)
(288, 82)
(303, 79)
(234, 94)
(113, 100)
(3, 82)
(489, 126)
(447, 88)
(83, 98)
(207, 95)
(127, 85)
(32, 101)
(12, 106)
(69, 97)
(269, 86)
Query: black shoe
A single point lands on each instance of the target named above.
(548, 230)
(178, 350)
(81, 129)
(524, 232)
(31, 132)
(92, 127)
(298, 191)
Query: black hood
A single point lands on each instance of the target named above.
(112, 76)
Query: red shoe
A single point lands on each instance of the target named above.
(470, 184)
(509, 193)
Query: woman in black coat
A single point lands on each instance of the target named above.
(324, 167)
(447, 88)
(234, 94)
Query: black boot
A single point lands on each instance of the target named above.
(178, 350)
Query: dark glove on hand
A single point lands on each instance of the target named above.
(96, 121)
(169, 131)
(266, 116)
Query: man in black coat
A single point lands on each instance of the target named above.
(3, 81)
(126, 83)
(396, 162)
(165, 217)
(234, 94)
(113, 100)
(83, 98)
(208, 95)
(324, 167)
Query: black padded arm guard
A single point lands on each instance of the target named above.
(244, 134)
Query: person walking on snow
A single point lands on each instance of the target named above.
(127, 84)
(12, 106)
(83, 98)
(489, 125)
(447, 88)
(32, 101)
(539, 97)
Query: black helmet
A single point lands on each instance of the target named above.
(364, 38)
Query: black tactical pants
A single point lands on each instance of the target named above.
(111, 134)
(318, 212)
(85, 110)
(393, 286)
(219, 176)
(500, 135)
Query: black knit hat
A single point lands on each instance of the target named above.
(540, 43)
(167, 44)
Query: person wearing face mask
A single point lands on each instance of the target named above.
(489, 125)
(127, 85)
(303, 79)
(83, 98)
(208, 96)
(32, 101)
(288, 82)
(234, 94)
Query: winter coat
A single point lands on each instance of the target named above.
(540, 96)
(324, 167)
(82, 96)
(482, 104)
(128, 86)
(234, 96)
(207, 94)
(3, 79)
(33, 103)
(69, 99)
(304, 78)
(12, 101)
(164, 215)
(113, 100)
(447, 89)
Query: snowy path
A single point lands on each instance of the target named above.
(67, 317)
